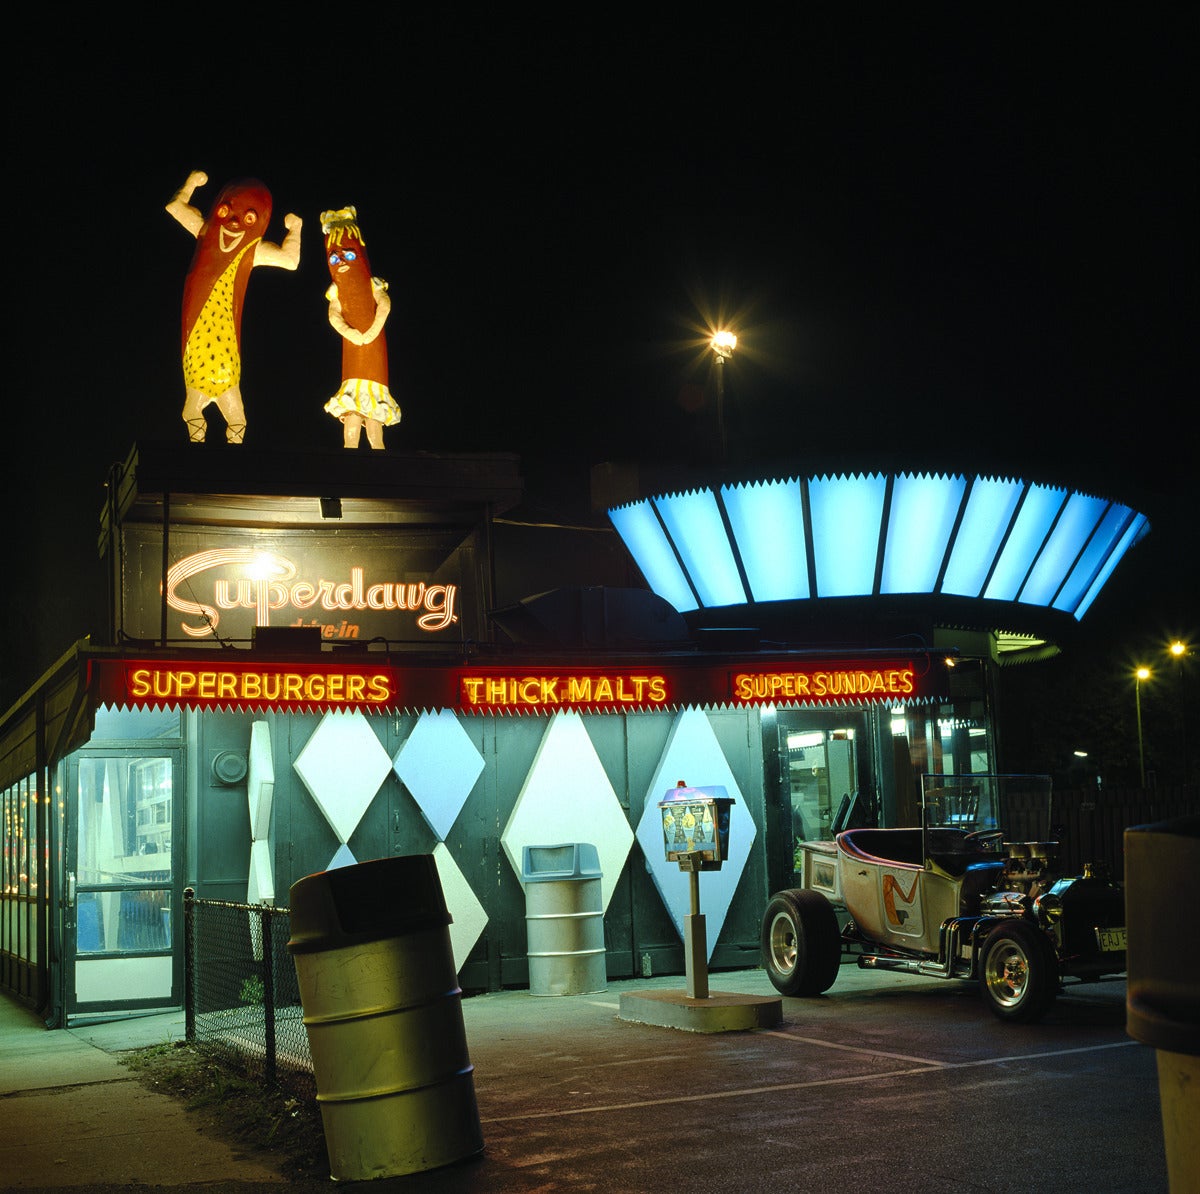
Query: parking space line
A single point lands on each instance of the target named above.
(962, 1065)
(781, 1088)
(655, 1058)
(699, 1098)
(808, 1040)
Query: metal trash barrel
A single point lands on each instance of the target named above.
(564, 919)
(1162, 1001)
(383, 1012)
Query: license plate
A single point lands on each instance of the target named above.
(1111, 940)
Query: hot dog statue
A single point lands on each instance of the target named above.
(229, 244)
(358, 309)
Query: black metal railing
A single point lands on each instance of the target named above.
(241, 995)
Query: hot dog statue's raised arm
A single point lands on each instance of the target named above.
(229, 244)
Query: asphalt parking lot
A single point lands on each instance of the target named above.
(889, 1082)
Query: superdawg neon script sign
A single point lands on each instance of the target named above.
(271, 586)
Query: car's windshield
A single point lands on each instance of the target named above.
(1018, 806)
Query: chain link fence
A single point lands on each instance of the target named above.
(242, 998)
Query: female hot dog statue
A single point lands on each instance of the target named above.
(358, 309)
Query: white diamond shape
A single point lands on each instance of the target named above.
(553, 811)
(692, 753)
(343, 857)
(343, 765)
(439, 765)
(469, 917)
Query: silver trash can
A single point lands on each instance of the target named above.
(383, 1012)
(564, 919)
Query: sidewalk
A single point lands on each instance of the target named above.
(72, 1117)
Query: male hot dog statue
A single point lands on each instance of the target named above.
(229, 244)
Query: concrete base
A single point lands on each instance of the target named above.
(720, 1012)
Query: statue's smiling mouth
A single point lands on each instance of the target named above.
(230, 240)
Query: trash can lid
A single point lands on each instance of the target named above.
(1188, 826)
(571, 860)
(370, 901)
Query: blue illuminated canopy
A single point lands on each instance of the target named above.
(873, 535)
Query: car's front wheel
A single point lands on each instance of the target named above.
(1018, 972)
(801, 945)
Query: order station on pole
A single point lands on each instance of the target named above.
(695, 824)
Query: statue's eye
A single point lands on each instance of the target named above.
(250, 218)
(351, 255)
(334, 259)
(222, 211)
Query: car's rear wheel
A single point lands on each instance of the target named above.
(1018, 972)
(801, 946)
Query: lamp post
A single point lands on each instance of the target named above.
(723, 343)
(1143, 673)
(1179, 652)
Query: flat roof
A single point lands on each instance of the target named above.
(232, 484)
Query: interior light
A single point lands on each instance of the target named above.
(801, 741)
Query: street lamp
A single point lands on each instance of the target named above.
(1143, 673)
(1179, 652)
(723, 343)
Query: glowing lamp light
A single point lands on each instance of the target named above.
(263, 566)
(723, 343)
(1142, 674)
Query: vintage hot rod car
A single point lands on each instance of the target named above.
(956, 897)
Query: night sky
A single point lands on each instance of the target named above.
(952, 240)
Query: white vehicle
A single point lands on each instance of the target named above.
(955, 898)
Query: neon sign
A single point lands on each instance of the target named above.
(249, 680)
(825, 684)
(267, 582)
(556, 690)
(269, 685)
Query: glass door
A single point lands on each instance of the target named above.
(825, 769)
(123, 913)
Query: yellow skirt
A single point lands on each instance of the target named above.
(370, 399)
